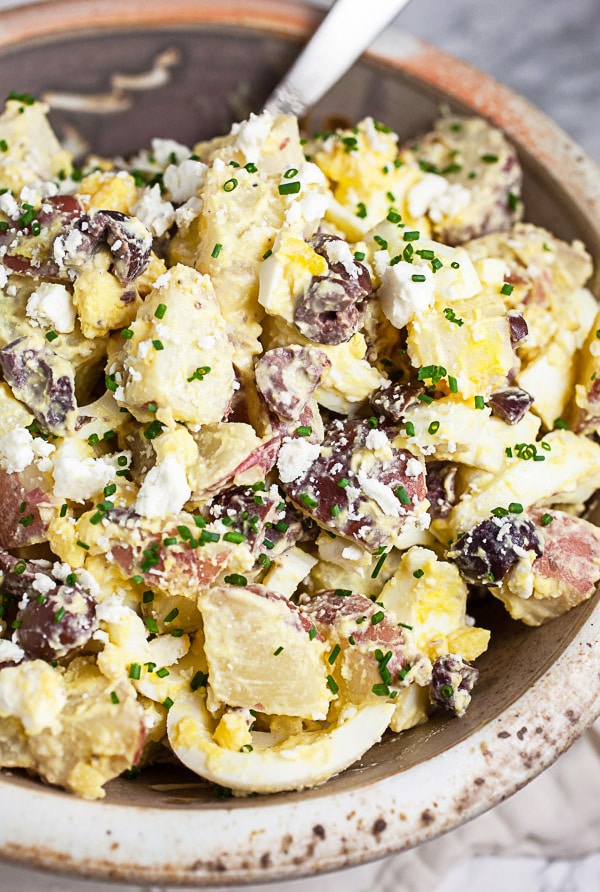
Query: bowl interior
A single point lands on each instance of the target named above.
(213, 75)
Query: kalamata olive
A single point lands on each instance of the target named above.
(487, 552)
(287, 376)
(359, 485)
(517, 326)
(43, 381)
(333, 307)
(56, 216)
(441, 490)
(129, 241)
(452, 680)
(57, 623)
(249, 512)
(393, 401)
(511, 404)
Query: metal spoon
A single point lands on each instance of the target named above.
(346, 31)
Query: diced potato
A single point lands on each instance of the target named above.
(35, 153)
(260, 654)
(156, 368)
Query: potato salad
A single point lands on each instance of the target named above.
(271, 407)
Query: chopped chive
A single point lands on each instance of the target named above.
(546, 519)
(51, 336)
(230, 185)
(173, 614)
(507, 289)
(401, 493)
(418, 574)
(411, 235)
(332, 684)
(127, 333)
(409, 428)
(452, 384)
(343, 483)
(199, 680)
(216, 250)
(151, 624)
(148, 596)
(114, 698)
(236, 579)
(304, 430)
(167, 703)
(289, 188)
(479, 402)
(234, 537)
(278, 651)
(135, 671)
(59, 614)
(308, 501)
(162, 672)
(379, 565)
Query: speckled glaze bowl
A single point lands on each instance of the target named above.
(118, 73)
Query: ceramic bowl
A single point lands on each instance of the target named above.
(116, 75)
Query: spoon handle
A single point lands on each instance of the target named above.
(346, 31)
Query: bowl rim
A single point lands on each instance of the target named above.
(283, 839)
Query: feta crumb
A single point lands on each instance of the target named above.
(339, 251)
(164, 150)
(401, 297)
(156, 215)
(79, 477)
(184, 180)
(51, 305)
(377, 439)
(413, 467)
(165, 489)
(252, 134)
(18, 449)
(10, 652)
(42, 583)
(9, 206)
(438, 197)
(380, 493)
(295, 458)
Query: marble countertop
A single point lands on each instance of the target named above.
(547, 837)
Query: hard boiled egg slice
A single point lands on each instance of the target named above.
(274, 764)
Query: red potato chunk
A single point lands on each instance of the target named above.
(370, 655)
(361, 486)
(287, 377)
(189, 563)
(263, 653)
(566, 574)
(22, 520)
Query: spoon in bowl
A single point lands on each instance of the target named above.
(346, 31)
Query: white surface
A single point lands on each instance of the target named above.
(548, 50)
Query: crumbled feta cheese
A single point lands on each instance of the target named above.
(295, 458)
(9, 206)
(401, 297)
(184, 180)
(164, 150)
(252, 134)
(51, 305)
(438, 197)
(156, 215)
(3, 276)
(111, 610)
(79, 477)
(18, 449)
(188, 212)
(378, 142)
(165, 489)
(338, 251)
(376, 439)
(42, 583)
(413, 467)
(352, 553)
(380, 493)
(10, 652)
